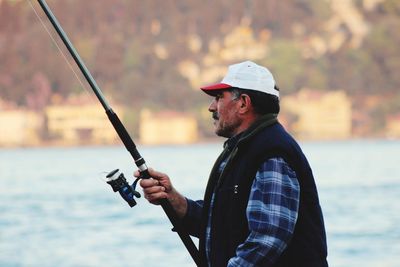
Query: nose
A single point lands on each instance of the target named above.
(213, 106)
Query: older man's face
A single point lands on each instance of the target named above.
(224, 109)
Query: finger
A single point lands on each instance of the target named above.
(156, 174)
(156, 196)
(156, 202)
(153, 174)
(137, 173)
(144, 183)
(153, 189)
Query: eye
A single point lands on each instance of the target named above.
(218, 97)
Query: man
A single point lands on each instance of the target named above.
(261, 205)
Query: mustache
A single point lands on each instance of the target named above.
(215, 115)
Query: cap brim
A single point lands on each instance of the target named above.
(215, 88)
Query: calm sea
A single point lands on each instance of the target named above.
(56, 209)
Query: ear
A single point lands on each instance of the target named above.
(245, 103)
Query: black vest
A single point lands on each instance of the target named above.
(232, 188)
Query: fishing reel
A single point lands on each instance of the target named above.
(119, 184)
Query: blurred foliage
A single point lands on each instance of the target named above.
(117, 40)
(391, 7)
(285, 62)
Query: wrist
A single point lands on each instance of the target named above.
(178, 202)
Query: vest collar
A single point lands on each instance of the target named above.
(258, 125)
(231, 142)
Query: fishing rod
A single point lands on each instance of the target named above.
(115, 178)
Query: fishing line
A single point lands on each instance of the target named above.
(115, 178)
(86, 90)
(62, 53)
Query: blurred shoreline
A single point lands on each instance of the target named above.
(204, 141)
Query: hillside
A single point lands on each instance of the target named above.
(155, 53)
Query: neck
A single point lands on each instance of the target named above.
(246, 123)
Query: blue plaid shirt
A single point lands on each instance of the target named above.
(271, 211)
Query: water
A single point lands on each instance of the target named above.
(56, 210)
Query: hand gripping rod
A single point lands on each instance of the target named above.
(122, 133)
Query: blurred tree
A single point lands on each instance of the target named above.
(316, 75)
(284, 60)
(390, 7)
(120, 42)
(382, 45)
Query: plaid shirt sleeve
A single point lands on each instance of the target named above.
(272, 213)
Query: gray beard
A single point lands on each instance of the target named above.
(227, 131)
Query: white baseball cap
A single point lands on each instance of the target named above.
(245, 75)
